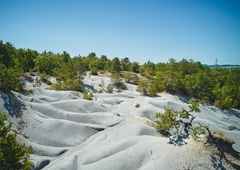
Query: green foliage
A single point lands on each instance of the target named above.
(109, 88)
(87, 95)
(134, 67)
(9, 78)
(125, 64)
(198, 130)
(143, 87)
(9, 73)
(130, 77)
(127, 76)
(69, 84)
(117, 81)
(164, 122)
(12, 154)
(147, 88)
(26, 59)
(94, 71)
(232, 127)
(216, 86)
(226, 96)
(47, 62)
(137, 105)
(115, 66)
(45, 78)
(173, 119)
(220, 87)
(37, 82)
(147, 69)
(102, 84)
(194, 106)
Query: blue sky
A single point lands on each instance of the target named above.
(141, 30)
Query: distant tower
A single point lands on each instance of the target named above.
(216, 63)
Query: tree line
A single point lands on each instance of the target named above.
(220, 87)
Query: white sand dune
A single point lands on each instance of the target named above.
(109, 132)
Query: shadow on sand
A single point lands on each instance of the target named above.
(225, 152)
(12, 104)
(178, 140)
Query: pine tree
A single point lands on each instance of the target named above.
(12, 155)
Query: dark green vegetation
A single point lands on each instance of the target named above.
(12, 155)
(220, 87)
(174, 119)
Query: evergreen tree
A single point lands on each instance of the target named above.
(115, 66)
(13, 156)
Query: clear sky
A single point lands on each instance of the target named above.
(141, 30)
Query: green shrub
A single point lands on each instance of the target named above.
(56, 86)
(12, 154)
(69, 84)
(110, 88)
(87, 95)
(164, 122)
(231, 127)
(94, 71)
(147, 88)
(173, 119)
(117, 81)
(198, 130)
(137, 105)
(37, 82)
(130, 78)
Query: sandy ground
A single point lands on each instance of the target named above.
(109, 132)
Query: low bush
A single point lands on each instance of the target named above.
(232, 127)
(87, 95)
(12, 154)
(137, 105)
(110, 88)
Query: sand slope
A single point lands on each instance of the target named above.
(109, 132)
